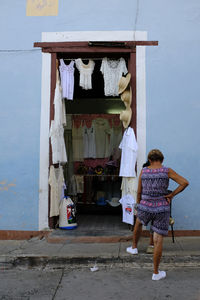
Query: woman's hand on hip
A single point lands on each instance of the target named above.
(169, 197)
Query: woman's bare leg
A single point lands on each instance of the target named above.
(151, 239)
(136, 233)
(158, 243)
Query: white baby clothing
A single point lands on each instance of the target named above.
(112, 71)
(129, 149)
(59, 154)
(85, 73)
(56, 182)
(67, 79)
(127, 203)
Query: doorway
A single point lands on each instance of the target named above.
(48, 62)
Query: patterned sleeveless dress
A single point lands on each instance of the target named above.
(153, 205)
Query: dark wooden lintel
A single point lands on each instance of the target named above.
(87, 50)
(125, 46)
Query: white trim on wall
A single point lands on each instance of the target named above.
(80, 36)
(44, 141)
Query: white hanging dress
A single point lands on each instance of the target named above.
(59, 154)
(67, 79)
(56, 182)
(56, 134)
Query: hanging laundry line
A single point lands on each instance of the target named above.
(93, 58)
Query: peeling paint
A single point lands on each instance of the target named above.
(3, 182)
(42, 8)
(6, 186)
(12, 184)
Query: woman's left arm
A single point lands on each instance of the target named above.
(183, 183)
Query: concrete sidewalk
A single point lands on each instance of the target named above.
(39, 253)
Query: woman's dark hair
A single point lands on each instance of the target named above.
(146, 164)
(155, 155)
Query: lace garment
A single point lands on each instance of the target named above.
(59, 154)
(67, 79)
(85, 73)
(112, 71)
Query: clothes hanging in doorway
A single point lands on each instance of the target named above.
(96, 137)
(102, 131)
(57, 184)
(59, 154)
(59, 106)
(77, 138)
(127, 203)
(56, 130)
(129, 186)
(112, 71)
(89, 144)
(67, 79)
(85, 73)
(129, 149)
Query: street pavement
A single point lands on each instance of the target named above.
(37, 269)
(108, 283)
(35, 252)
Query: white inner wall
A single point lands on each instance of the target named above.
(80, 36)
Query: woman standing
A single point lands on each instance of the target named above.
(153, 204)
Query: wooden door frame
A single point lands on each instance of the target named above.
(71, 48)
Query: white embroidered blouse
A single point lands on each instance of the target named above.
(85, 73)
(112, 71)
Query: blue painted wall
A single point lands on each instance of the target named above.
(172, 94)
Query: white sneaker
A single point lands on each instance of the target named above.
(160, 275)
(132, 250)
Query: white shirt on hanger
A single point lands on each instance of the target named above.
(127, 203)
(112, 71)
(129, 149)
(85, 73)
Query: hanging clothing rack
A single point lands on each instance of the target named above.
(94, 58)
